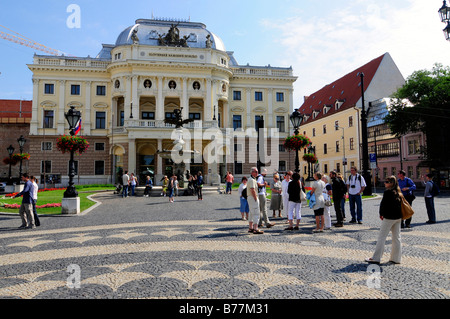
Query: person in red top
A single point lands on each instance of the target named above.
(229, 180)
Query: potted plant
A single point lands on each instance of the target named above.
(296, 142)
(310, 158)
(68, 143)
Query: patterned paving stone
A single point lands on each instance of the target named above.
(145, 248)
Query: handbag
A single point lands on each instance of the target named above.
(407, 210)
(302, 196)
(328, 203)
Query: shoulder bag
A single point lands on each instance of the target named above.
(407, 210)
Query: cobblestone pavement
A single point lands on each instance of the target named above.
(147, 248)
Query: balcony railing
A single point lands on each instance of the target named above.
(160, 124)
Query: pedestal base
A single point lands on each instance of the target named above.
(70, 206)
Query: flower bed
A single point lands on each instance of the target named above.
(17, 206)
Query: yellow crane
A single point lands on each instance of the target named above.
(23, 40)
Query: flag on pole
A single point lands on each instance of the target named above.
(77, 127)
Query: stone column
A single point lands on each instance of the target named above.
(160, 101)
(184, 102)
(159, 165)
(249, 107)
(132, 156)
(127, 97)
(270, 108)
(61, 107)
(208, 104)
(35, 121)
(86, 116)
(135, 98)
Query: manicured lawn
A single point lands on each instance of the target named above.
(55, 197)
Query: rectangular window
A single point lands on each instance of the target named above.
(75, 89)
(237, 168)
(122, 118)
(195, 116)
(46, 146)
(281, 148)
(236, 95)
(48, 119)
(49, 88)
(280, 124)
(413, 147)
(385, 172)
(46, 167)
(338, 167)
(258, 96)
(337, 147)
(314, 132)
(100, 120)
(170, 115)
(352, 143)
(101, 90)
(259, 122)
(99, 167)
(280, 97)
(350, 121)
(99, 146)
(148, 115)
(324, 129)
(325, 150)
(325, 168)
(237, 121)
(336, 125)
(282, 166)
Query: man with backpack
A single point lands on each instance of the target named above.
(431, 190)
(407, 187)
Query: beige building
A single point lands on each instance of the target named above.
(126, 93)
(333, 114)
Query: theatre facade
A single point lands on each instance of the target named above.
(126, 93)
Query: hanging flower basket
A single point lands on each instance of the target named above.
(310, 158)
(11, 161)
(18, 157)
(76, 144)
(296, 142)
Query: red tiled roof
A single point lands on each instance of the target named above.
(13, 109)
(347, 90)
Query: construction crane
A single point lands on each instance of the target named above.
(23, 40)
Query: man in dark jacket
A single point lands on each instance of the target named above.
(26, 208)
(338, 191)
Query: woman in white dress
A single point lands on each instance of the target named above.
(326, 197)
(317, 189)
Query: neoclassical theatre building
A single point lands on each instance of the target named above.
(126, 93)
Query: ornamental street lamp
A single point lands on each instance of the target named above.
(10, 152)
(72, 117)
(365, 142)
(311, 150)
(21, 140)
(296, 119)
(444, 13)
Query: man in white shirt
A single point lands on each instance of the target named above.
(253, 202)
(262, 199)
(125, 181)
(355, 187)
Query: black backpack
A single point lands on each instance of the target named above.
(434, 190)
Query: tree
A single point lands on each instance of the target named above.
(423, 105)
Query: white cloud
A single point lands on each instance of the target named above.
(323, 48)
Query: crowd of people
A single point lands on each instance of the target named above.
(331, 191)
(27, 210)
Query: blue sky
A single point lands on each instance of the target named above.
(321, 40)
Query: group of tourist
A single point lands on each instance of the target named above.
(325, 192)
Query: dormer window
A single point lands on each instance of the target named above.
(338, 104)
(315, 113)
(326, 108)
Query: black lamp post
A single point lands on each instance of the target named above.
(444, 13)
(10, 152)
(72, 117)
(21, 140)
(296, 119)
(311, 150)
(365, 142)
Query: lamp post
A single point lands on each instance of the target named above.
(21, 140)
(10, 152)
(311, 150)
(365, 142)
(72, 117)
(296, 119)
(444, 13)
(344, 161)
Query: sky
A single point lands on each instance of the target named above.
(321, 40)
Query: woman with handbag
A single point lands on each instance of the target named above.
(391, 217)
(319, 205)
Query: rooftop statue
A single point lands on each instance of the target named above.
(134, 36)
(172, 38)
